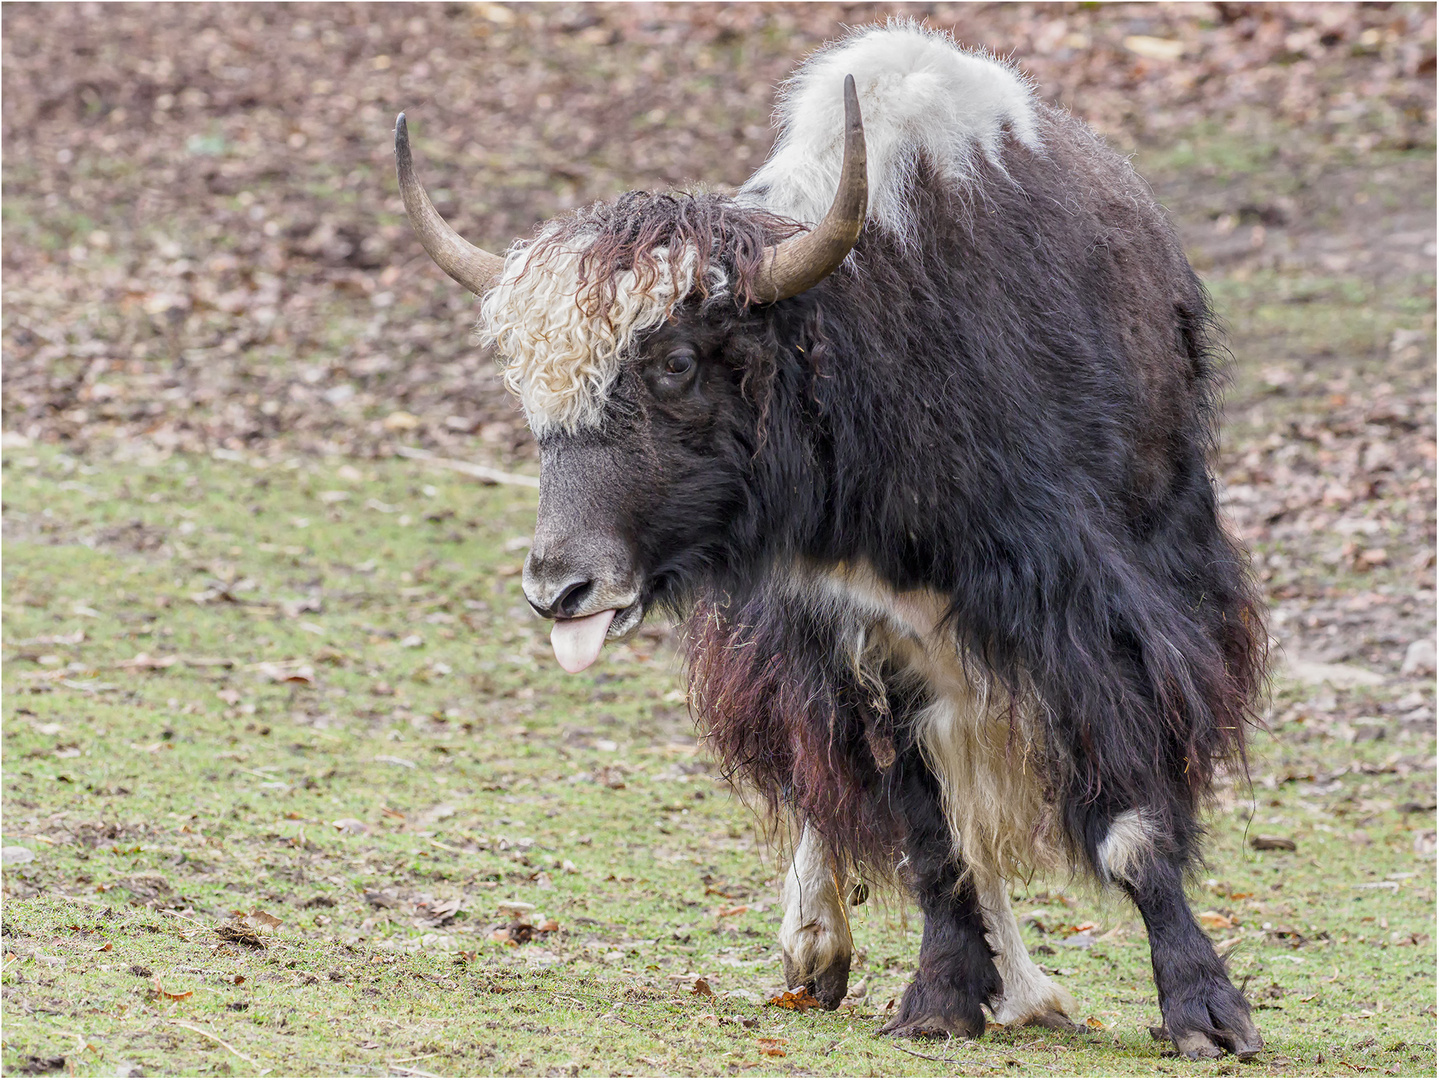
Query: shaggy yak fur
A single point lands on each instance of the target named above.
(944, 534)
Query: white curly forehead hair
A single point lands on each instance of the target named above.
(569, 307)
(561, 339)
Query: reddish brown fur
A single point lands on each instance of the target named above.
(797, 732)
(625, 234)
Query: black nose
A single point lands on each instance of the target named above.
(567, 601)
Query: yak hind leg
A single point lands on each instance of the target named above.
(957, 974)
(1204, 1014)
(814, 937)
(1030, 996)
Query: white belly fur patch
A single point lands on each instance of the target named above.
(983, 746)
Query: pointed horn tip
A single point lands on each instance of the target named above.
(473, 267)
(851, 104)
(804, 260)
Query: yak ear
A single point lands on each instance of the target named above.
(802, 262)
(474, 268)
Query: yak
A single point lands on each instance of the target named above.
(913, 433)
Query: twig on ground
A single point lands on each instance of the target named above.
(181, 915)
(82, 1043)
(1028, 1064)
(480, 472)
(933, 1057)
(618, 1019)
(201, 1031)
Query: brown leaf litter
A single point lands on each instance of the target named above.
(800, 1000)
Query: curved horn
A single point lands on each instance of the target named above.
(474, 268)
(803, 261)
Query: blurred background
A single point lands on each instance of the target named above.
(255, 655)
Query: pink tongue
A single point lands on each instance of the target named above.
(578, 642)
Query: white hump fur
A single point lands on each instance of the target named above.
(919, 94)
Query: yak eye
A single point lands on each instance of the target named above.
(672, 376)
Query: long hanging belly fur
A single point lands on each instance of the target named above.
(985, 747)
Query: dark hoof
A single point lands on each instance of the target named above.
(828, 986)
(938, 1007)
(932, 1027)
(1196, 1046)
(1052, 1019)
(1211, 1022)
(1243, 1045)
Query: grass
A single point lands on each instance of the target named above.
(211, 662)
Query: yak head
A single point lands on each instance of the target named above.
(632, 334)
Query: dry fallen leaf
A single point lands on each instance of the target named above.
(240, 934)
(1213, 920)
(401, 421)
(1153, 48)
(160, 991)
(800, 1000)
(146, 662)
(772, 1047)
(702, 988)
(1272, 843)
(431, 913)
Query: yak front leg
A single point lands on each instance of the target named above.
(814, 937)
(1031, 998)
(957, 975)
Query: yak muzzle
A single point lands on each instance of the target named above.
(588, 586)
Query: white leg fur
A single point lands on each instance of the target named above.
(1128, 842)
(814, 935)
(1028, 992)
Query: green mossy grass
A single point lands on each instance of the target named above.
(165, 774)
